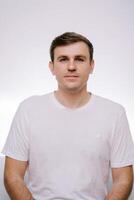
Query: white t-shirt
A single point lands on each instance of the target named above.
(70, 151)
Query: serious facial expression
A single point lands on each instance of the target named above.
(72, 66)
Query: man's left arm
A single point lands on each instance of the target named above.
(122, 183)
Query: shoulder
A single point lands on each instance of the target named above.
(106, 105)
(35, 102)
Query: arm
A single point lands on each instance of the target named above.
(14, 179)
(122, 183)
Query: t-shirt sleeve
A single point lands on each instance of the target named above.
(122, 146)
(17, 143)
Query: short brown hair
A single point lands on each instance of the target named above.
(70, 38)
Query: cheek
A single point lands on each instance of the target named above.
(85, 74)
(59, 74)
(59, 69)
(86, 77)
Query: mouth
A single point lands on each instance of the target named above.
(71, 77)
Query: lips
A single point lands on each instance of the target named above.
(71, 76)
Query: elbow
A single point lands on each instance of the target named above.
(10, 180)
(129, 185)
(128, 182)
(125, 185)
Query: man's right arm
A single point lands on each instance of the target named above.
(14, 179)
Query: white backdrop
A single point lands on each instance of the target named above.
(27, 28)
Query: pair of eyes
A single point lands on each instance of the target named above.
(66, 59)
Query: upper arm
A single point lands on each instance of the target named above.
(123, 175)
(14, 169)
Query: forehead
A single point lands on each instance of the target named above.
(78, 48)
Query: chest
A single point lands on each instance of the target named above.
(70, 138)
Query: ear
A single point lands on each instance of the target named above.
(91, 66)
(51, 67)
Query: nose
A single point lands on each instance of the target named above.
(71, 65)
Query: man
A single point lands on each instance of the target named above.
(69, 139)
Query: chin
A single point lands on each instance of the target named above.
(72, 89)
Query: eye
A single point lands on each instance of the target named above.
(80, 59)
(63, 59)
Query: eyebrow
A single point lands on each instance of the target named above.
(76, 56)
(81, 56)
(62, 56)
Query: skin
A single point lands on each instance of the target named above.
(72, 92)
(14, 179)
(73, 59)
(122, 183)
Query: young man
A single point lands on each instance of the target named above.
(69, 139)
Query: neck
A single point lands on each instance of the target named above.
(72, 99)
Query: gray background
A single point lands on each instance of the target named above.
(27, 28)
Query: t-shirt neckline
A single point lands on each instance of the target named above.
(83, 107)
